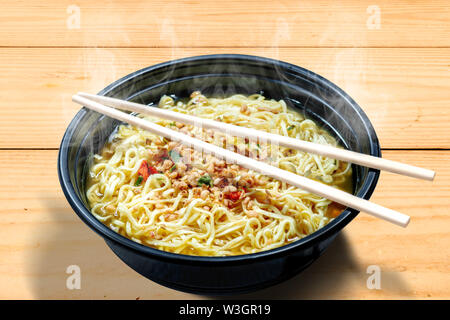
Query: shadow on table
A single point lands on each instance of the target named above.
(63, 240)
(320, 280)
(335, 274)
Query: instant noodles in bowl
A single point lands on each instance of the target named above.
(225, 244)
(159, 193)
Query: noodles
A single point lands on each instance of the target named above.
(173, 198)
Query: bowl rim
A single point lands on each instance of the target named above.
(365, 191)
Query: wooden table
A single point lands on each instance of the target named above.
(396, 68)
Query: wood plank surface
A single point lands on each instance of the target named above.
(405, 92)
(42, 236)
(293, 23)
(392, 57)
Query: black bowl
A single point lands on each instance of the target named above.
(220, 75)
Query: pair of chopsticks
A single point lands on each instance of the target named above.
(107, 106)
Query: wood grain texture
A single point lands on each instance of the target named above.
(42, 236)
(405, 92)
(399, 74)
(138, 23)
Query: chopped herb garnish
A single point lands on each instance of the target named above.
(174, 156)
(258, 145)
(291, 127)
(173, 168)
(172, 124)
(138, 181)
(206, 180)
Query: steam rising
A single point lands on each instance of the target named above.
(96, 77)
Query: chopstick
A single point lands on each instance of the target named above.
(304, 183)
(306, 146)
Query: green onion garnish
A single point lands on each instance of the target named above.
(206, 180)
(174, 156)
(138, 181)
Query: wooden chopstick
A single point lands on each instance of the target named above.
(306, 146)
(304, 183)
